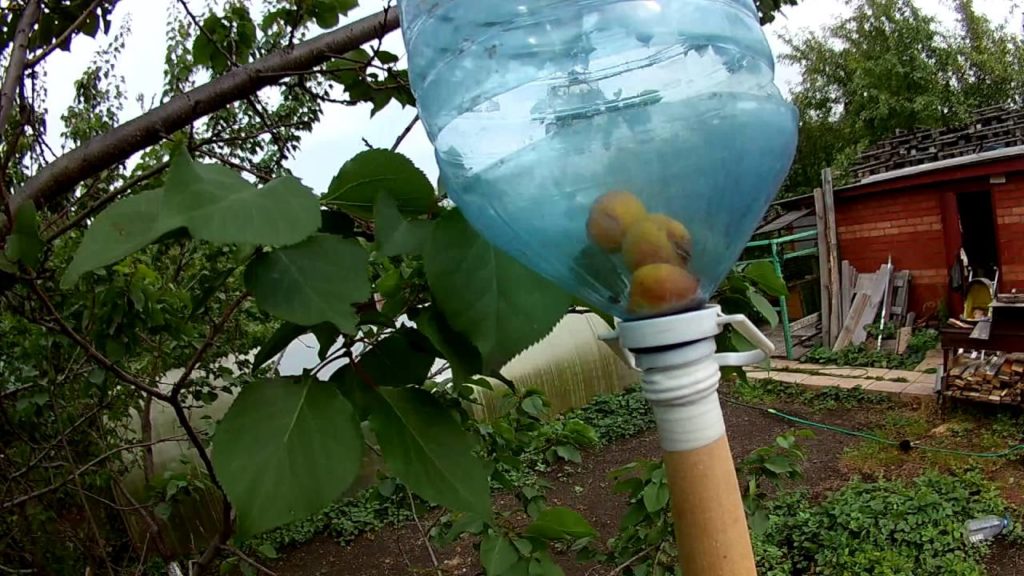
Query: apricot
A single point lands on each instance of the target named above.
(610, 216)
(677, 234)
(658, 288)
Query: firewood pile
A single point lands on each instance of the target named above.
(992, 128)
(997, 378)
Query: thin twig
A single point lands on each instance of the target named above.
(33, 61)
(259, 567)
(423, 535)
(618, 569)
(408, 128)
(59, 484)
(212, 335)
(99, 358)
(100, 544)
(260, 175)
(250, 135)
(106, 199)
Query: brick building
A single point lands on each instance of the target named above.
(925, 213)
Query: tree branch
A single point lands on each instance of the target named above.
(90, 464)
(107, 199)
(100, 359)
(62, 175)
(214, 332)
(33, 61)
(408, 128)
(14, 73)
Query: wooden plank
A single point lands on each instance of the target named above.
(804, 322)
(876, 295)
(823, 272)
(860, 303)
(864, 282)
(835, 322)
(845, 289)
(887, 289)
(903, 339)
(910, 319)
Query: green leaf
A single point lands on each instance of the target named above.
(534, 406)
(739, 342)
(267, 551)
(463, 358)
(569, 452)
(373, 172)
(429, 451)
(315, 281)
(123, 228)
(400, 359)
(767, 279)
(763, 306)
(655, 496)
(778, 464)
(285, 334)
(544, 565)
(325, 14)
(24, 244)
(286, 449)
(558, 523)
(326, 335)
(497, 554)
(220, 206)
(512, 307)
(395, 236)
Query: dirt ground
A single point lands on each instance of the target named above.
(586, 488)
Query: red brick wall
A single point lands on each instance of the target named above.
(1008, 202)
(904, 224)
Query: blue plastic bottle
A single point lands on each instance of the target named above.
(538, 107)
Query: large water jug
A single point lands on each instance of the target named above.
(625, 149)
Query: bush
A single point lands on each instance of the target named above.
(920, 343)
(616, 416)
(879, 528)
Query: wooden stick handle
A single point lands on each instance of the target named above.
(711, 526)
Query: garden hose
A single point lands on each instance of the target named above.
(902, 445)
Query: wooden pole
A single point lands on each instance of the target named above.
(828, 261)
(823, 272)
(711, 526)
(835, 321)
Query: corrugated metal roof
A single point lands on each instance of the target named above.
(783, 221)
(980, 157)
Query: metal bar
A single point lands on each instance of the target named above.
(783, 239)
(799, 253)
(783, 308)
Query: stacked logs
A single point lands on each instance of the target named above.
(997, 378)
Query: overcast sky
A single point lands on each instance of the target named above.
(338, 136)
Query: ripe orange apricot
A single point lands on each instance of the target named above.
(659, 288)
(610, 216)
(677, 234)
(647, 242)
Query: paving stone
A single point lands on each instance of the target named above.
(918, 389)
(888, 387)
(928, 379)
(791, 377)
(909, 375)
(876, 373)
(821, 381)
(842, 372)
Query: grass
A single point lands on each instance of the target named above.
(770, 391)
